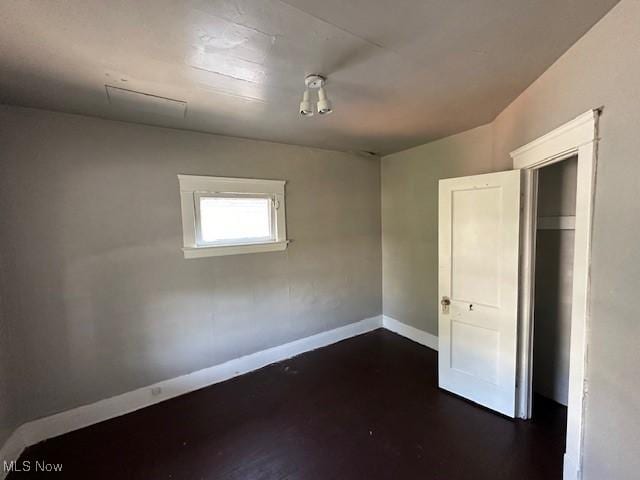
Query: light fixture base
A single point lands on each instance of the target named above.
(315, 81)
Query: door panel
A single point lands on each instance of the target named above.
(473, 227)
(479, 235)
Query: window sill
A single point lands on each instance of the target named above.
(220, 250)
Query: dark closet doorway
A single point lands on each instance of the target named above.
(556, 211)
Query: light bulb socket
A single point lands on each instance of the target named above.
(324, 104)
(306, 110)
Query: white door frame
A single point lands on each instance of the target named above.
(578, 137)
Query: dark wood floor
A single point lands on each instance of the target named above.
(366, 408)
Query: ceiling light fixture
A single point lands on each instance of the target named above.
(324, 105)
(306, 110)
(315, 82)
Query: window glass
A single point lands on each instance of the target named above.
(235, 219)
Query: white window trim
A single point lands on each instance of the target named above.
(193, 186)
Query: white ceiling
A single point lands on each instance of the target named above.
(401, 72)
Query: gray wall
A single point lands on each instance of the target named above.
(601, 69)
(410, 220)
(97, 287)
(554, 282)
(8, 419)
(11, 358)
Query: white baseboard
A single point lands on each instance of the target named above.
(48, 427)
(412, 333)
(45, 428)
(570, 470)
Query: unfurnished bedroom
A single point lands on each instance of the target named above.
(302, 240)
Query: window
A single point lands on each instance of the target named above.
(227, 216)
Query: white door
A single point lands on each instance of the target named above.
(479, 239)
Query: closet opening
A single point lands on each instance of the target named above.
(554, 257)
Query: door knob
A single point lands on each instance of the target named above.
(445, 302)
